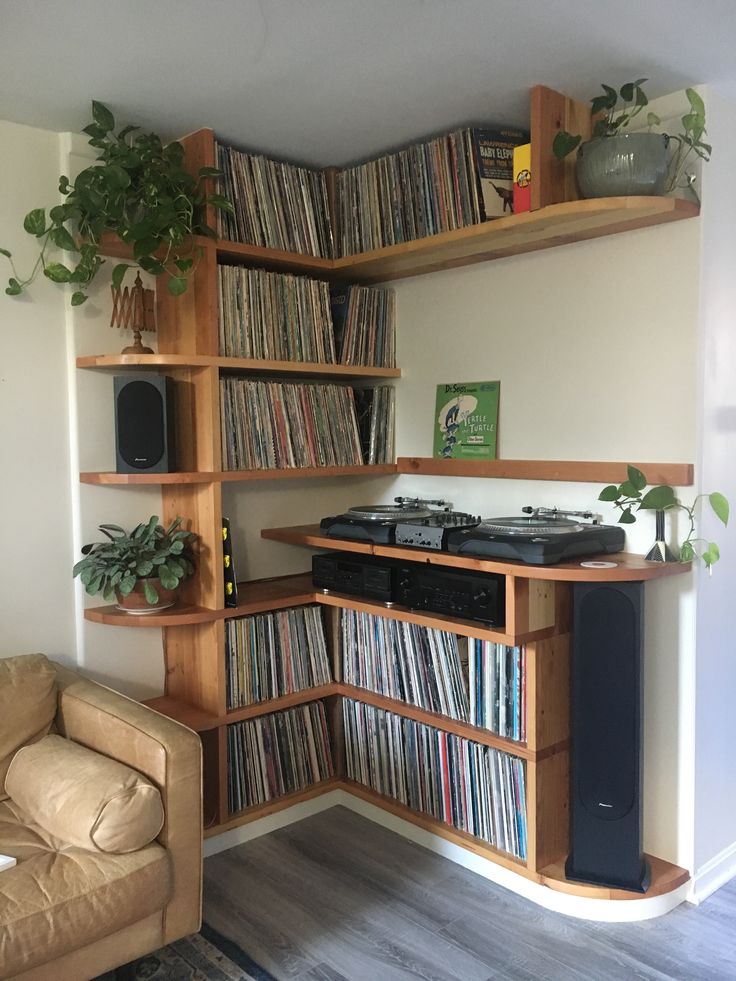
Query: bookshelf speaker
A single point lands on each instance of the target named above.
(144, 424)
(606, 792)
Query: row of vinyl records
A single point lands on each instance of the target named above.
(270, 424)
(471, 787)
(281, 317)
(481, 682)
(451, 181)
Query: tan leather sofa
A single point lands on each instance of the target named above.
(69, 913)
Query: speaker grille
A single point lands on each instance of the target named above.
(141, 426)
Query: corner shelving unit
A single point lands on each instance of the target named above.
(537, 612)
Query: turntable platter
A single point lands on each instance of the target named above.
(387, 512)
(525, 526)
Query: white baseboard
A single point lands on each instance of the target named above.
(714, 874)
(264, 825)
(607, 910)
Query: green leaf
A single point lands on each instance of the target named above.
(62, 239)
(609, 493)
(127, 585)
(167, 580)
(177, 285)
(144, 568)
(150, 593)
(653, 119)
(151, 265)
(177, 547)
(658, 499)
(720, 506)
(64, 185)
(636, 478)
(13, 288)
(127, 130)
(564, 143)
(118, 274)
(184, 264)
(627, 92)
(103, 117)
(627, 489)
(78, 298)
(145, 247)
(116, 177)
(696, 103)
(711, 554)
(209, 172)
(5, 253)
(35, 222)
(224, 205)
(627, 518)
(57, 272)
(687, 552)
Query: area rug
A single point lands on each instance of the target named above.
(205, 956)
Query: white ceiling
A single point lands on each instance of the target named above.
(330, 81)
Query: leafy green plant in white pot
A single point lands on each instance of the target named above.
(142, 569)
(620, 161)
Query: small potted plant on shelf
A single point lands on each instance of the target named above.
(618, 161)
(138, 190)
(631, 496)
(141, 569)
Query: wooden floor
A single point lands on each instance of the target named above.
(338, 897)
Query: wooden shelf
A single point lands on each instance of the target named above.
(584, 471)
(556, 224)
(257, 709)
(189, 715)
(545, 228)
(437, 621)
(272, 806)
(443, 722)
(228, 476)
(261, 595)
(666, 877)
(176, 616)
(629, 568)
(251, 366)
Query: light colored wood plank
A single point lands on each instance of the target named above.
(548, 692)
(189, 715)
(548, 812)
(274, 259)
(254, 366)
(666, 877)
(558, 224)
(271, 705)
(174, 617)
(583, 471)
(195, 665)
(108, 478)
(553, 180)
(272, 807)
(628, 567)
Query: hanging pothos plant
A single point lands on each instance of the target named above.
(137, 189)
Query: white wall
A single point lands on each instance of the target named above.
(715, 724)
(36, 591)
(595, 346)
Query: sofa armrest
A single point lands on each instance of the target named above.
(170, 755)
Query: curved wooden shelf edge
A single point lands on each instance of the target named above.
(666, 877)
(627, 567)
(176, 616)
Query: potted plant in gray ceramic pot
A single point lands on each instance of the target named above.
(618, 161)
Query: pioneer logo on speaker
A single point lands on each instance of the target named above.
(144, 424)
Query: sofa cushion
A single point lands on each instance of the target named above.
(27, 705)
(84, 798)
(59, 898)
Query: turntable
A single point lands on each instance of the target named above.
(399, 523)
(543, 536)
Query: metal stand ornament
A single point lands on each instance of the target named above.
(133, 309)
(660, 551)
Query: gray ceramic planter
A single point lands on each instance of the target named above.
(629, 163)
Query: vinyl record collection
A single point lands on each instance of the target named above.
(277, 754)
(497, 676)
(364, 320)
(471, 787)
(274, 316)
(269, 424)
(414, 664)
(421, 190)
(375, 410)
(274, 654)
(277, 205)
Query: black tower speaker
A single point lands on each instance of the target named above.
(144, 424)
(606, 792)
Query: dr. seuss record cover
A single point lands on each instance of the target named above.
(466, 420)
